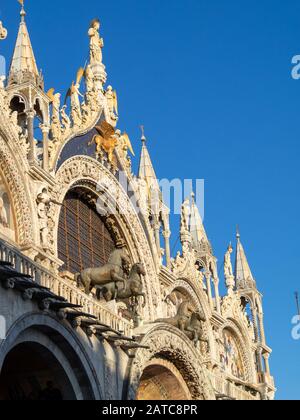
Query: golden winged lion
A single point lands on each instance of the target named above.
(106, 140)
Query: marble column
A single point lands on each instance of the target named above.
(45, 130)
(167, 235)
(30, 129)
(209, 293)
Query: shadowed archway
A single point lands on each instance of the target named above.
(31, 372)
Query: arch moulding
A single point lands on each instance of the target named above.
(21, 201)
(81, 170)
(172, 345)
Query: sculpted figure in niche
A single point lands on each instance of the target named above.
(43, 206)
(3, 214)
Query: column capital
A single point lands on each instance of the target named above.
(166, 234)
(30, 113)
(45, 128)
(207, 275)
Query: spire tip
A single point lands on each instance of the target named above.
(22, 13)
(143, 138)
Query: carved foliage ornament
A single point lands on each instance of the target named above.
(20, 197)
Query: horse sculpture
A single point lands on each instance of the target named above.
(189, 322)
(183, 317)
(112, 272)
(133, 288)
(195, 330)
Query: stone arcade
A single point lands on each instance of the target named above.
(95, 305)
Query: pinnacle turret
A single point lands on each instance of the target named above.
(23, 66)
(243, 275)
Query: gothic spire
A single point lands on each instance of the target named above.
(243, 275)
(197, 230)
(146, 170)
(23, 65)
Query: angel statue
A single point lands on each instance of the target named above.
(125, 145)
(185, 216)
(55, 101)
(96, 43)
(74, 94)
(3, 32)
(112, 102)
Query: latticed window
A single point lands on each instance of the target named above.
(83, 239)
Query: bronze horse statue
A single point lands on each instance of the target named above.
(133, 287)
(195, 330)
(112, 272)
(183, 317)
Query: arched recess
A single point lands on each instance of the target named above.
(31, 372)
(162, 381)
(45, 332)
(84, 171)
(244, 347)
(194, 289)
(171, 345)
(21, 201)
(190, 291)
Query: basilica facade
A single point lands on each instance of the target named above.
(92, 303)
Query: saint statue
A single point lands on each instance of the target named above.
(228, 271)
(43, 207)
(185, 215)
(96, 42)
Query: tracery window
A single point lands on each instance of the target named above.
(83, 239)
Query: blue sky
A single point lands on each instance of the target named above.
(211, 82)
